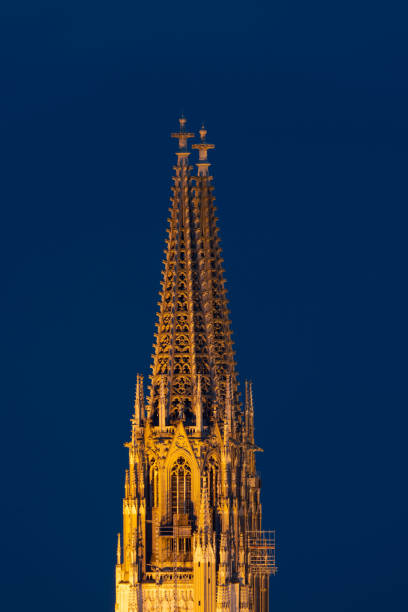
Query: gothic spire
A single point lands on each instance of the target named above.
(193, 336)
(192, 511)
(249, 412)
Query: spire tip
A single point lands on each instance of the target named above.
(182, 135)
(203, 133)
(203, 148)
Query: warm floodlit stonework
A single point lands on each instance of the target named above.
(192, 536)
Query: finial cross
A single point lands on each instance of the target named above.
(182, 135)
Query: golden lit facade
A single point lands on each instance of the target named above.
(192, 538)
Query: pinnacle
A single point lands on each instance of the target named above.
(204, 520)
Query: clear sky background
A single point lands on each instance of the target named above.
(307, 103)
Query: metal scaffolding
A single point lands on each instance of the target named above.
(262, 552)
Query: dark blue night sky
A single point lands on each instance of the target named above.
(307, 103)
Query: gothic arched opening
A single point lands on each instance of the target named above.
(180, 482)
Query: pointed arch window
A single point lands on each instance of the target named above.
(180, 487)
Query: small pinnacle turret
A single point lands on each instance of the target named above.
(139, 402)
(118, 552)
(204, 521)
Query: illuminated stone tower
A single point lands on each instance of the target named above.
(192, 538)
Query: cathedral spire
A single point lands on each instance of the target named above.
(192, 511)
(194, 335)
